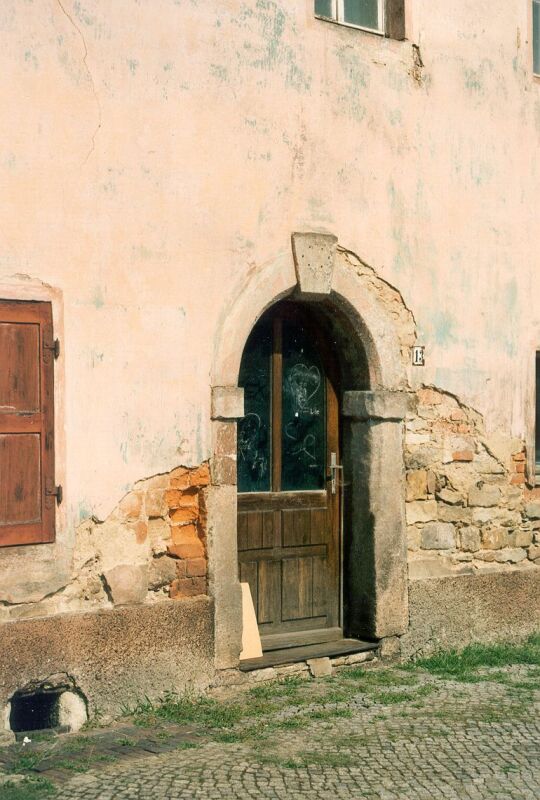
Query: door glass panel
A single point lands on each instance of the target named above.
(303, 436)
(254, 470)
(364, 13)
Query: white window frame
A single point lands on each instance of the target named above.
(338, 15)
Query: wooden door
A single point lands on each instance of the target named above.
(288, 513)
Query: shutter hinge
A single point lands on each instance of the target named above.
(54, 347)
(56, 492)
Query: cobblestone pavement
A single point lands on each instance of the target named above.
(434, 740)
(386, 733)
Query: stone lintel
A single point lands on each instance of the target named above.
(314, 256)
(227, 402)
(385, 405)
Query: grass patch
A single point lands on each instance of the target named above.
(26, 762)
(125, 741)
(378, 677)
(183, 710)
(27, 789)
(329, 713)
(391, 698)
(464, 665)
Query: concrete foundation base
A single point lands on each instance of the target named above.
(114, 658)
(453, 612)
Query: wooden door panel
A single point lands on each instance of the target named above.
(20, 478)
(269, 587)
(320, 526)
(255, 530)
(19, 376)
(296, 528)
(297, 588)
(320, 586)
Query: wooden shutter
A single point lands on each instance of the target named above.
(395, 19)
(27, 501)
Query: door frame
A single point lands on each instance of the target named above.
(318, 270)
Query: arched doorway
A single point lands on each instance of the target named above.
(290, 498)
(354, 313)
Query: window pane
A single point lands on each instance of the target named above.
(303, 433)
(362, 12)
(536, 36)
(254, 429)
(323, 8)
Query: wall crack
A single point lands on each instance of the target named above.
(90, 76)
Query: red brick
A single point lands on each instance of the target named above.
(519, 466)
(517, 479)
(181, 570)
(183, 534)
(172, 498)
(179, 478)
(194, 549)
(200, 476)
(519, 456)
(180, 515)
(187, 587)
(463, 455)
(196, 567)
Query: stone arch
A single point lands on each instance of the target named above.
(373, 415)
(370, 304)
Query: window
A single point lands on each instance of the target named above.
(536, 36)
(27, 490)
(386, 17)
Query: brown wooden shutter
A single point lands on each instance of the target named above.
(395, 19)
(27, 502)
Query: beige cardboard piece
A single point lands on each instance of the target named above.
(251, 641)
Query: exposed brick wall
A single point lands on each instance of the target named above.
(150, 548)
(468, 510)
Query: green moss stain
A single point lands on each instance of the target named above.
(98, 301)
(395, 117)
(84, 511)
(355, 83)
(443, 328)
(481, 172)
(273, 54)
(473, 80)
(31, 59)
(220, 72)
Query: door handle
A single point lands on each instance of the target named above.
(334, 466)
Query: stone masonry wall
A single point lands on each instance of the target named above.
(152, 547)
(467, 505)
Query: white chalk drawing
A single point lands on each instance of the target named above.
(303, 383)
(307, 447)
(248, 446)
